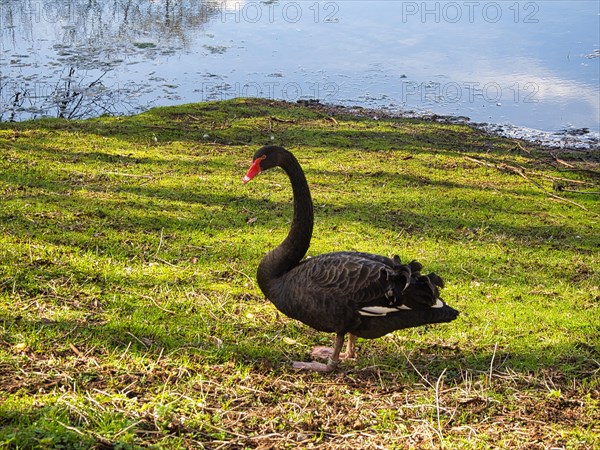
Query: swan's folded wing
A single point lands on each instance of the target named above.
(331, 292)
(373, 284)
(356, 278)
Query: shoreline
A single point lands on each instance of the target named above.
(579, 139)
(576, 139)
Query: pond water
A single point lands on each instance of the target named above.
(527, 68)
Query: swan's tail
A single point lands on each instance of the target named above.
(372, 327)
(414, 301)
(414, 290)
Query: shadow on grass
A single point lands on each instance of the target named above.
(100, 219)
(147, 211)
(110, 205)
(152, 353)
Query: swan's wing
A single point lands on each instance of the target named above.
(332, 292)
(369, 281)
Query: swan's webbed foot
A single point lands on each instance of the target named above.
(332, 355)
(321, 352)
(315, 366)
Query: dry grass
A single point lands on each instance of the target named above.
(366, 408)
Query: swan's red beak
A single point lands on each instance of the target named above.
(252, 171)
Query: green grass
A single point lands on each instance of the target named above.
(130, 318)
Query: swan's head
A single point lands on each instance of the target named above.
(265, 158)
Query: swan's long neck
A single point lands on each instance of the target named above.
(289, 253)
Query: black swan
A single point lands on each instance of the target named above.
(353, 293)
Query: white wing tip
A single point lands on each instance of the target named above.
(438, 303)
(380, 310)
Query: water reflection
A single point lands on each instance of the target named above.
(69, 59)
(533, 64)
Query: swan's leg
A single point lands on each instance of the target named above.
(327, 352)
(331, 363)
(350, 352)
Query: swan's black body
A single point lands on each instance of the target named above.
(362, 294)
